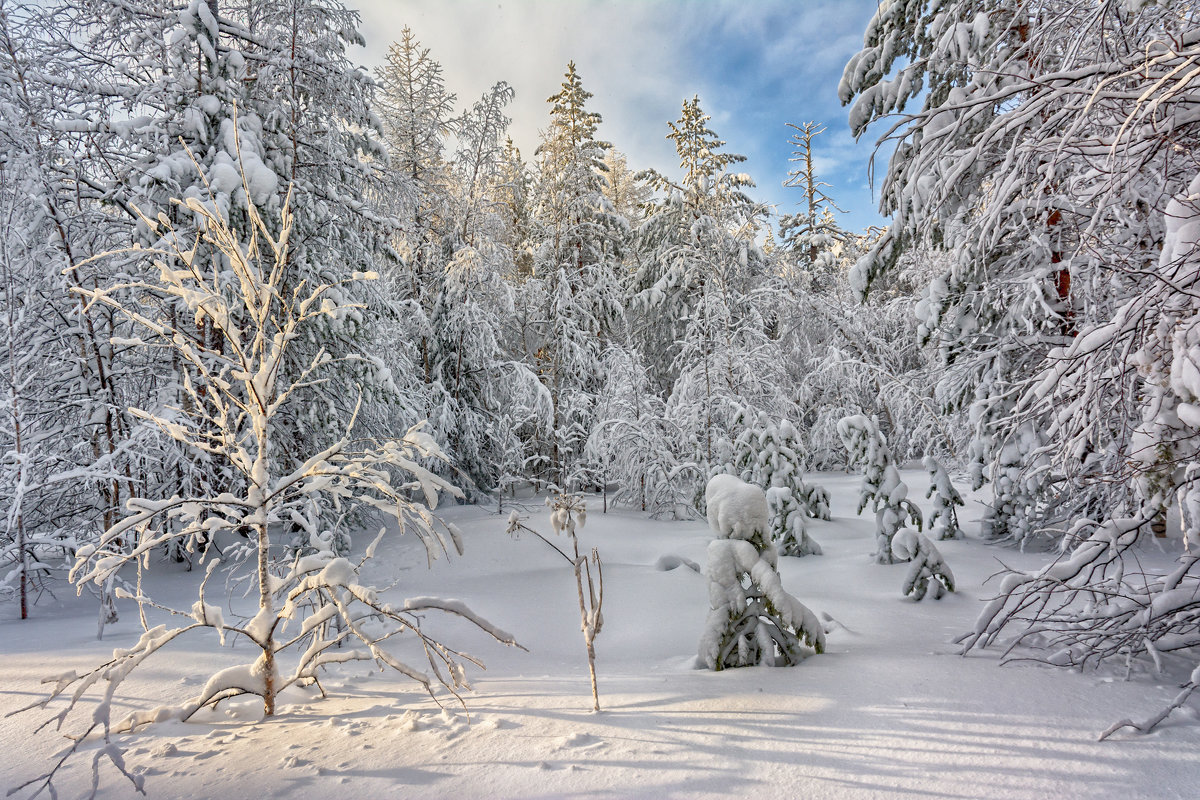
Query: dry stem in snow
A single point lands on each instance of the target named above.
(568, 512)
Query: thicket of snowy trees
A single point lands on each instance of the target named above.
(563, 321)
(560, 322)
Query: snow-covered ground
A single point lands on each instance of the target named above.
(890, 710)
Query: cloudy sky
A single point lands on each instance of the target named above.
(756, 65)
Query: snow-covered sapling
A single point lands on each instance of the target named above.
(881, 484)
(787, 524)
(766, 453)
(643, 445)
(751, 619)
(815, 499)
(929, 574)
(943, 520)
(312, 609)
(568, 512)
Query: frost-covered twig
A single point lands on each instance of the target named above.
(1147, 725)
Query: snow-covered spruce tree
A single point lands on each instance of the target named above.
(512, 193)
(466, 358)
(692, 215)
(727, 362)
(477, 390)
(725, 367)
(944, 518)
(417, 115)
(630, 440)
(766, 454)
(928, 574)
(578, 261)
(322, 139)
(311, 609)
(787, 523)
(696, 315)
(533, 416)
(881, 484)
(471, 376)
(751, 619)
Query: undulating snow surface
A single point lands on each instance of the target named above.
(889, 710)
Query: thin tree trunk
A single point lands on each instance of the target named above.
(18, 444)
(265, 604)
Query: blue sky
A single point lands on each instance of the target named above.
(756, 64)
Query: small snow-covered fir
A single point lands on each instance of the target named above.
(928, 576)
(943, 519)
(751, 619)
(788, 532)
(881, 483)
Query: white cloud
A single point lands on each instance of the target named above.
(755, 66)
(620, 51)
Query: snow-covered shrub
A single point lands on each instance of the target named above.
(881, 484)
(751, 619)
(929, 574)
(814, 500)
(312, 609)
(787, 524)
(1100, 600)
(943, 520)
(636, 442)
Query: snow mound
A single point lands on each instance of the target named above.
(735, 509)
(670, 561)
